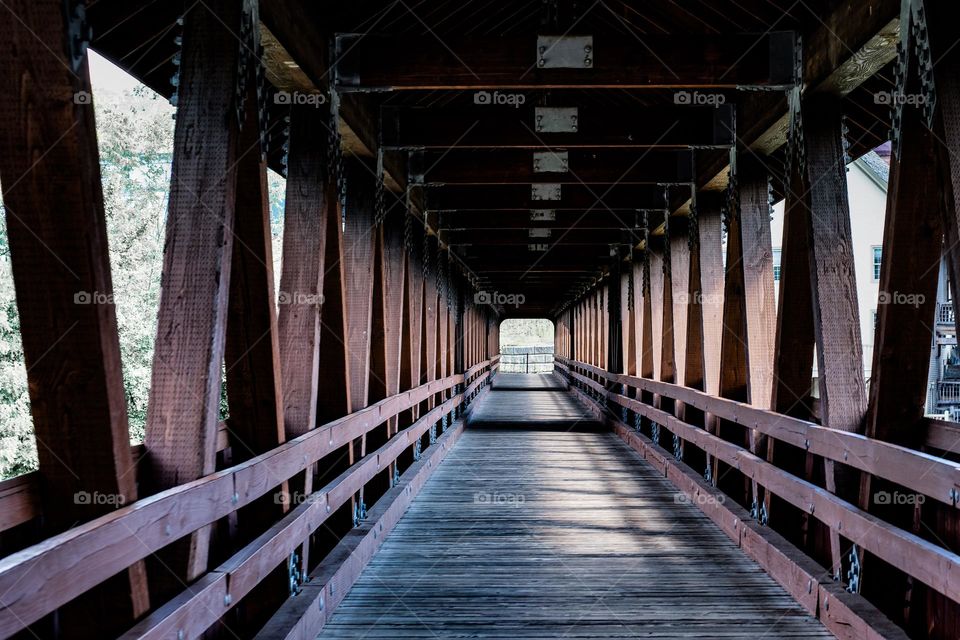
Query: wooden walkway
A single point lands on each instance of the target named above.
(557, 534)
(528, 401)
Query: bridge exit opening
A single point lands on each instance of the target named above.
(526, 345)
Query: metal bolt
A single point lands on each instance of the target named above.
(227, 599)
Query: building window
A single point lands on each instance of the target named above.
(877, 254)
(776, 265)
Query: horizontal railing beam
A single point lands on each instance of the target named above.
(33, 582)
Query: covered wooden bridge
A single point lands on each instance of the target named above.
(608, 165)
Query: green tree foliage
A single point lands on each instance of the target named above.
(135, 136)
(523, 332)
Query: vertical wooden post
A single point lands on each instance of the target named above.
(749, 314)
(56, 227)
(310, 201)
(334, 368)
(656, 284)
(393, 291)
(183, 413)
(793, 351)
(668, 362)
(359, 271)
(251, 357)
(836, 315)
(680, 281)
(711, 282)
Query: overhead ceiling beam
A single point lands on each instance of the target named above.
(625, 198)
(502, 237)
(487, 127)
(521, 166)
(615, 61)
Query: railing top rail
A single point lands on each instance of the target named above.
(32, 580)
(925, 473)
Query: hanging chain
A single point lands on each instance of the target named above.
(177, 57)
(425, 262)
(796, 153)
(646, 255)
(380, 207)
(334, 146)
(921, 40)
(667, 266)
(441, 273)
(693, 228)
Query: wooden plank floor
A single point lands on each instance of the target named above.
(525, 401)
(528, 381)
(539, 534)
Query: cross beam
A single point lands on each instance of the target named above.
(561, 126)
(614, 61)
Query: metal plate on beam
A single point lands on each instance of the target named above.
(551, 162)
(545, 191)
(556, 119)
(538, 233)
(565, 52)
(543, 214)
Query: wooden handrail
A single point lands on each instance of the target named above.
(933, 565)
(32, 583)
(193, 612)
(940, 478)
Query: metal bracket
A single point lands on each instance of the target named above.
(565, 52)
(295, 574)
(853, 573)
(551, 162)
(556, 119)
(544, 191)
(543, 214)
